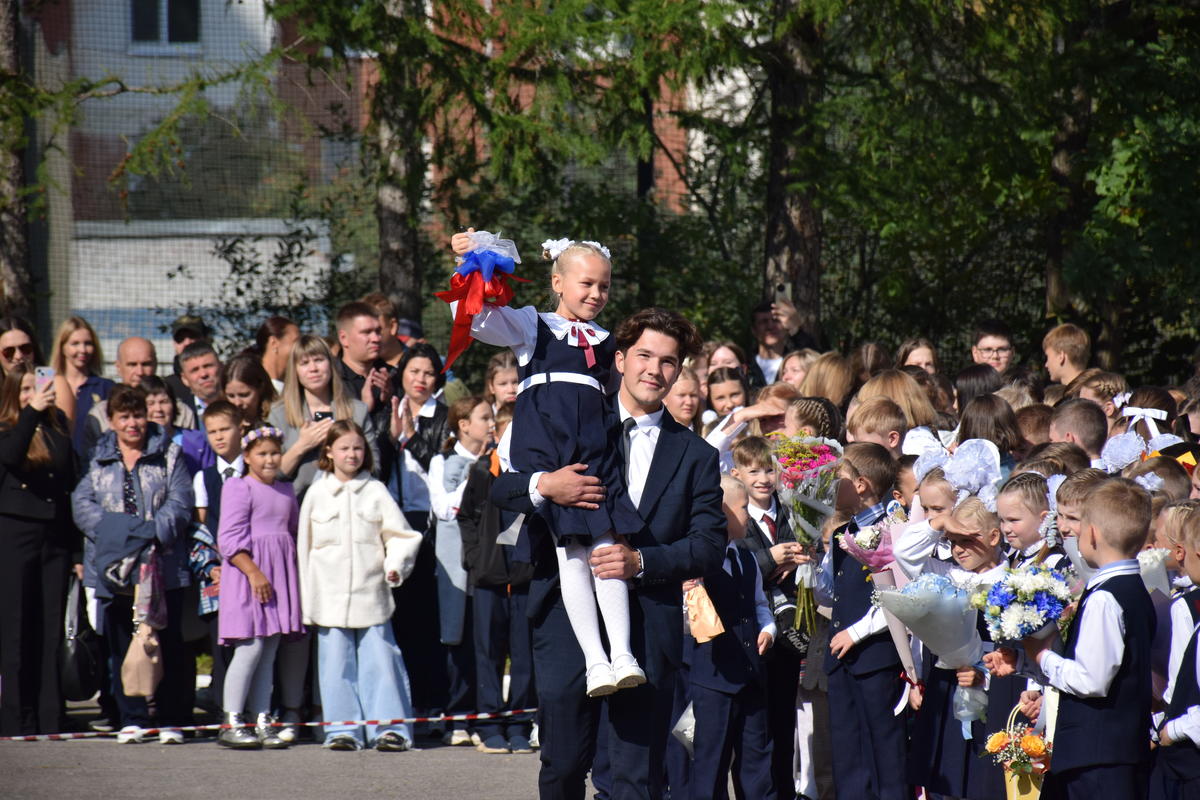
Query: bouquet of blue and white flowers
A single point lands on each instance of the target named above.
(1027, 601)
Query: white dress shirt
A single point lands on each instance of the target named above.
(769, 366)
(1188, 726)
(446, 502)
(238, 465)
(643, 437)
(1181, 634)
(414, 481)
(757, 515)
(762, 610)
(1100, 644)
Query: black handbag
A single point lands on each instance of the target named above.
(81, 666)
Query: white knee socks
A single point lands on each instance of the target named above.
(581, 591)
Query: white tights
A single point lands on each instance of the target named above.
(580, 598)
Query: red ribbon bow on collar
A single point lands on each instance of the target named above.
(580, 334)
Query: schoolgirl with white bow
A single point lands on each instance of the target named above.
(565, 360)
(1024, 506)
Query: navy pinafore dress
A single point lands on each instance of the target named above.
(558, 423)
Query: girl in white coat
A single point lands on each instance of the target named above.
(353, 544)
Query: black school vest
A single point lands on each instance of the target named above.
(213, 485)
(1111, 729)
(852, 591)
(1182, 759)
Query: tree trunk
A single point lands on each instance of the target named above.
(1066, 171)
(647, 226)
(396, 114)
(16, 280)
(794, 227)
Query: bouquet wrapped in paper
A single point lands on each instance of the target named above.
(1028, 601)
(941, 614)
(807, 482)
(703, 621)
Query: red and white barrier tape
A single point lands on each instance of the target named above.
(61, 737)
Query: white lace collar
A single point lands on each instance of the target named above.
(560, 326)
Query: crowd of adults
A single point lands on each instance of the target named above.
(81, 452)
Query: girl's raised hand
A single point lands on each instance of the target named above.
(260, 587)
(43, 397)
(393, 576)
(461, 243)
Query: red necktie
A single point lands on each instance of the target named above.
(770, 528)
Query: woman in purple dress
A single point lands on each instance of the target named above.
(260, 594)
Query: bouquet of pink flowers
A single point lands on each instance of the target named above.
(872, 545)
(807, 482)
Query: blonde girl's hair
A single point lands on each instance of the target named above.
(818, 415)
(973, 512)
(1174, 523)
(831, 377)
(497, 364)
(337, 431)
(574, 250)
(903, 390)
(1031, 488)
(936, 478)
(293, 393)
(58, 356)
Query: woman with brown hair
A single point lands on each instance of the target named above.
(37, 471)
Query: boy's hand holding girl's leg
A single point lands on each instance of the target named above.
(617, 560)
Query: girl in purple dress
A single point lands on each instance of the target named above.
(564, 361)
(260, 589)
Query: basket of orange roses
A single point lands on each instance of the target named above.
(1025, 756)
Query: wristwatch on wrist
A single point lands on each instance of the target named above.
(641, 564)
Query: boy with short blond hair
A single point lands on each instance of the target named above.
(1068, 348)
(1103, 674)
(878, 420)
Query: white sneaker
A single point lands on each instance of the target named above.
(600, 680)
(628, 674)
(456, 738)
(131, 734)
(170, 736)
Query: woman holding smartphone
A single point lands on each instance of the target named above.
(313, 398)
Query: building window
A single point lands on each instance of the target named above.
(165, 22)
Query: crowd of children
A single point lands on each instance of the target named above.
(992, 471)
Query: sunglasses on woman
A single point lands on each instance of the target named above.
(10, 351)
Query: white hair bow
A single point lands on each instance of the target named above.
(1151, 482)
(1120, 399)
(1161, 441)
(1147, 415)
(928, 461)
(555, 247)
(1122, 450)
(1049, 527)
(974, 469)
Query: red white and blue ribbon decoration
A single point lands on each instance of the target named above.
(482, 277)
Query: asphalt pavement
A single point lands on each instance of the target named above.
(200, 769)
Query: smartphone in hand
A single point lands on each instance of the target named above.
(43, 376)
